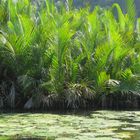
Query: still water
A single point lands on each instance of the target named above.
(98, 125)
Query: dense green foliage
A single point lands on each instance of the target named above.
(57, 56)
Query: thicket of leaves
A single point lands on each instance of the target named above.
(53, 55)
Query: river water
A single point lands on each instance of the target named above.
(91, 125)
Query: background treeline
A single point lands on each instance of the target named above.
(104, 3)
(101, 3)
(57, 56)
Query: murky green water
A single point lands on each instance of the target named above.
(99, 125)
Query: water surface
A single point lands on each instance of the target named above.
(98, 125)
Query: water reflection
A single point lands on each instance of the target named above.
(99, 125)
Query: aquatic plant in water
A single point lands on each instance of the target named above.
(99, 125)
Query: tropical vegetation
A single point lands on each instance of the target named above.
(56, 56)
